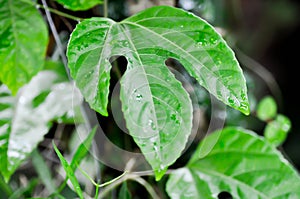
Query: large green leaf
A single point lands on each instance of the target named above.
(241, 163)
(23, 42)
(157, 109)
(25, 119)
(76, 5)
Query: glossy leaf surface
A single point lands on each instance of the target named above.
(76, 5)
(241, 163)
(23, 42)
(157, 109)
(26, 118)
(266, 108)
(276, 131)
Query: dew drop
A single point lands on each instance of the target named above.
(181, 26)
(139, 97)
(230, 101)
(213, 40)
(151, 124)
(22, 100)
(199, 44)
(173, 117)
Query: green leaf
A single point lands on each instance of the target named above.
(76, 5)
(157, 109)
(69, 171)
(83, 149)
(23, 43)
(25, 119)
(240, 163)
(266, 108)
(124, 192)
(43, 171)
(276, 130)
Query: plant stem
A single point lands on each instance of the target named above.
(54, 11)
(133, 177)
(100, 185)
(105, 8)
(59, 13)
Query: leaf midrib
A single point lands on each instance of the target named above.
(145, 74)
(182, 50)
(229, 178)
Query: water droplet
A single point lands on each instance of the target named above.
(139, 97)
(88, 75)
(218, 61)
(213, 40)
(22, 100)
(151, 124)
(244, 106)
(152, 139)
(173, 117)
(199, 44)
(181, 26)
(244, 96)
(162, 167)
(231, 101)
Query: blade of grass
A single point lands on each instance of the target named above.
(69, 172)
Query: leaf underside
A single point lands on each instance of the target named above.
(242, 164)
(157, 110)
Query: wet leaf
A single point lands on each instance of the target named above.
(240, 163)
(157, 109)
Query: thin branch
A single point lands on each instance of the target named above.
(57, 39)
(105, 8)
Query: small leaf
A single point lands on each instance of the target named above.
(276, 130)
(26, 118)
(69, 172)
(242, 164)
(158, 111)
(76, 5)
(83, 149)
(124, 192)
(23, 42)
(266, 108)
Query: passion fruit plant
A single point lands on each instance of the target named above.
(36, 92)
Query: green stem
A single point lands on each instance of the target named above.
(59, 13)
(96, 192)
(54, 11)
(104, 184)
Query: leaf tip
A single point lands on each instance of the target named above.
(160, 173)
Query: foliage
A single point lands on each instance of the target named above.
(37, 95)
